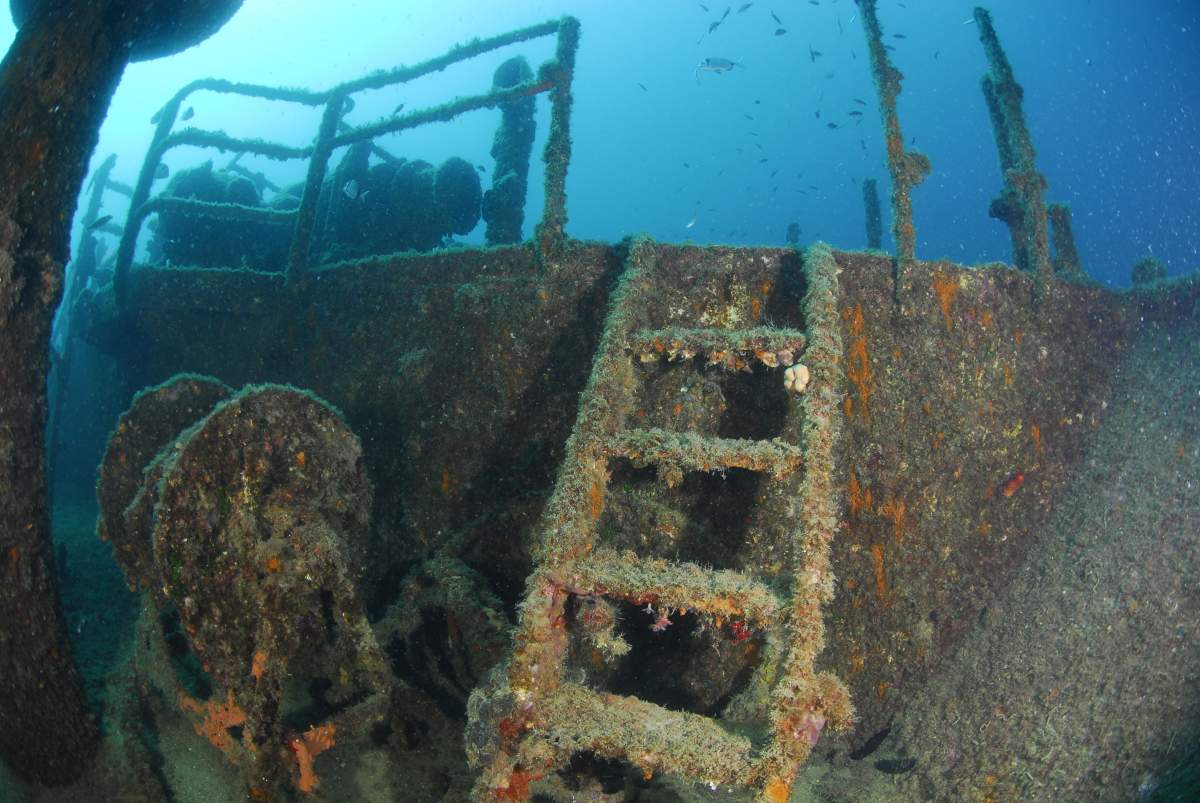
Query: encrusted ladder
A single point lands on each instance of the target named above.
(546, 715)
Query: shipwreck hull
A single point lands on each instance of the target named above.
(969, 412)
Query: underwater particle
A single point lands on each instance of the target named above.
(796, 378)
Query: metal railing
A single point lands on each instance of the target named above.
(554, 76)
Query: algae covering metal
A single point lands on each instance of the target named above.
(251, 528)
(966, 414)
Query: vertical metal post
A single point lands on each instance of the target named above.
(1021, 204)
(141, 192)
(551, 232)
(907, 169)
(307, 212)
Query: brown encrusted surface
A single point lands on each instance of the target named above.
(966, 411)
(458, 370)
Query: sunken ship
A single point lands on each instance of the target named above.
(563, 520)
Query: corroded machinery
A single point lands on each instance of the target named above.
(245, 516)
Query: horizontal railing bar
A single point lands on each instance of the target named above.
(220, 211)
(446, 111)
(222, 141)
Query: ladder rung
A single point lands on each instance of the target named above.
(689, 451)
(652, 738)
(671, 585)
(772, 346)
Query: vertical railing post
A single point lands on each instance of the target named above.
(1021, 204)
(551, 232)
(305, 215)
(141, 192)
(907, 169)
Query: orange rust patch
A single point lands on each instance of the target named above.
(14, 554)
(894, 510)
(881, 689)
(1036, 433)
(596, 498)
(301, 459)
(258, 665)
(216, 719)
(777, 791)
(860, 496)
(316, 740)
(848, 407)
(880, 578)
(945, 288)
(984, 528)
(756, 309)
(271, 564)
(1008, 377)
(858, 371)
(1017, 335)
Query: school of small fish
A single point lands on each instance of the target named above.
(721, 65)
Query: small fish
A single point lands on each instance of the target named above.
(703, 7)
(481, 168)
(762, 161)
(744, 7)
(853, 18)
(813, 55)
(859, 101)
(98, 222)
(715, 64)
(831, 125)
(780, 31)
(839, 22)
(773, 172)
(1013, 485)
(863, 142)
(813, 3)
(935, 54)
(188, 113)
(398, 109)
(712, 27)
(687, 165)
(856, 113)
(748, 117)
(777, 20)
(162, 171)
(818, 113)
(726, 14)
(643, 86)
(969, 22)
(872, 744)
(899, 36)
(690, 223)
(350, 189)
